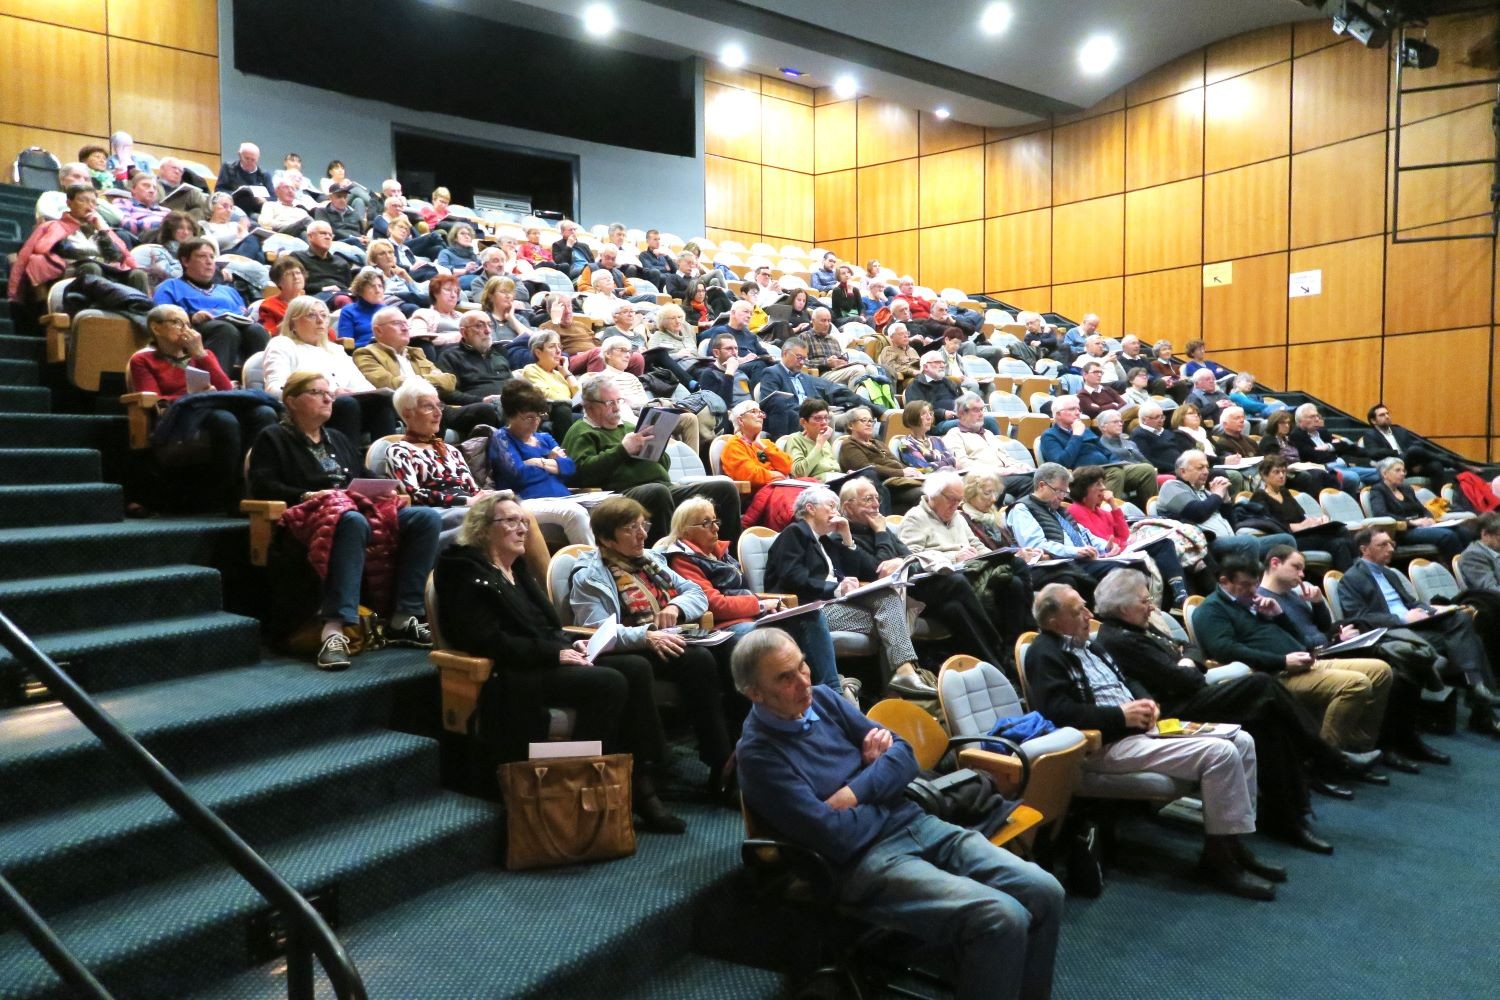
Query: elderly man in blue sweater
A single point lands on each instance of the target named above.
(1070, 443)
(826, 777)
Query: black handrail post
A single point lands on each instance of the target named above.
(49, 944)
(302, 920)
(299, 969)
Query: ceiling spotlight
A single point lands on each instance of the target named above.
(995, 18)
(733, 55)
(598, 19)
(845, 87)
(1097, 54)
(941, 114)
(791, 71)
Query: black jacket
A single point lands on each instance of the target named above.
(941, 394)
(282, 465)
(1360, 596)
(795, 567)
(479, 375)
(330, 270)
(1056, 687)
(1161, 450)
(1383, 503)
(1378, 448)
(1149, 659)
(232, 175)
(562, 254)
(480, 613)
(660, 260)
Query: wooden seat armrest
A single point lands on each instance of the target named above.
(347, 343)
(461, 677)
(1093, 740)
(1006, 770)
(263, 517)
(140, 410)
(55, 328)
(144, 400)
(787, 600)
(584, 630)
(584, 489)
(743, 487)
(475, 668)
(1018, 823)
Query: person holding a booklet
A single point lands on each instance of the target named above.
(1316, 531)
(302, 345)
(1199, 497)
(490, 605)
(624, 583)
(1073, 681)
(1069, 443)
(215, 309)
(816, 558)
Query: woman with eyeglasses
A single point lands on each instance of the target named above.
(749, 458)
(490, 604)
(899, 485)
(309, 465)
(694, 549)
(624, 581)
(302, 345)
(529, 461)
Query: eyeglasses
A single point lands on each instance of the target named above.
(175, 323)
(509, 523)
(864, 499)
(638, 527)
(430, 406)
(863, 420)
(317, 393)
(712, 522)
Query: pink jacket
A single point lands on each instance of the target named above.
(312, 523)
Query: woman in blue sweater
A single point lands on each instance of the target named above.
(368, 289)
(532, 464)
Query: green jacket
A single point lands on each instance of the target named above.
(602, 462)
(1226, 632)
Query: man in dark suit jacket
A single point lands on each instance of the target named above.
(1385, 440)
(570, 253)
(1159, 443)
(1313, 445)
(246, 172)
(1375, 593)
(1074, 682)
(788, 377)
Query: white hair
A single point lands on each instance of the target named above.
(410, 393)
(1062, 402)
(1186, 457)
(933, 356)
(1149, 410)
(740, 408)
(937, 482)
(610, 343)
(811, 497)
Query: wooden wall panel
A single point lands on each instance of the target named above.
(64, 145)
(1310, 36)
(1105, 297)
(952, 256)
(1035, 299)
(1351, 301)
(888, 197)
(1250, 312)
(731, 122)
(1165, 304)
(939, 136)
(952, 186)
(1250, 51)
(1435, 202)
(1450, 34)
(845, 250)
(1245, 118)
(887, 131)
(1337, 93)
(1245, 210)
(719, 235)
(897, 251)
(181, 24)
(790, 130)
(1466, 134)
(1345, 374)
(1183, 73)
(36, 52)
(1164, 226)
(1088, 159)
(1454, 407)
(731, 194)
(743, 79)
(164, 96)
(1437, 286)
(786, 204)
(1018, 250)
(1088, 239)
(1338, 191)
(85, 15)
(1267, 364)
(835, 206)
(1018, 174)
(786, 90)
(1164, 140)
(833, 131)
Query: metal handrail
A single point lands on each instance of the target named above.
(307, 933)
(42, 938)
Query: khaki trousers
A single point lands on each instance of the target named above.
(1350, 695)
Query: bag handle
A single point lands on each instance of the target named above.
(539, 773)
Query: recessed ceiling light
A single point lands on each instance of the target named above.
(733, 55)
(791, 71)
(995, 18)
(1097, 54)
(845, 87)
(941, 114)
(598, 19)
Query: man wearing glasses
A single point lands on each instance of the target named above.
(783, 387)
(605, 451)
(1070, 443)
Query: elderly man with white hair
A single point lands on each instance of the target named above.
(1039, 521)
(1075, 341)
(53, 205)
(825, 355)
(1196, 498)
(1207, 396)
(390, 361)
(239, 176)
(1071, 444)
(1328, 450)
(975, 446)
(1096, 350)
(1074, 682)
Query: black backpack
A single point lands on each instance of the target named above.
(36, 168)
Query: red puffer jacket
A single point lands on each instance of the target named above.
(312, 523)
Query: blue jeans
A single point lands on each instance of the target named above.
(810, 633)
(416, 551)
(1367, 476)
(1256, 545)
(948, 885)
(1447, 539)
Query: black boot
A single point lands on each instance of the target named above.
(653, 815)
(1248, 861)
(1219, 867)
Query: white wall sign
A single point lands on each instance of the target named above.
(1302, 283)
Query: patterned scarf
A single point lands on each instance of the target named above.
(643, 586)
(435, 440)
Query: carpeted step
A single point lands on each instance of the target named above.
(49, 760)
(69, 857)
(164, 939)
(14, 348)
(52, 465)
(117, 656)
(43, 605)
(44, 504)
(14, 372)
(25, 399)
(27, 430)
(202, 541)
(706, 978)
(578, 931)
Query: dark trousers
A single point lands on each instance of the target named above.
(560, 416)
(232, 343)
(660, 357)
(1454, 636)
(366, 413)
(697, 676)
(416, 552)
(228, 440)
(463, 419)
(613, 700)
(951, 600)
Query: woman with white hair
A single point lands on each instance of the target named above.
(815, 558)
(748, 457)
(672, 344)
(302, 345)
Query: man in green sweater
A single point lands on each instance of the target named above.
(604, 451)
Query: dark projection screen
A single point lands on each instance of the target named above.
(424, 57)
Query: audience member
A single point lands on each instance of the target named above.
(475, 361)
(974, 443)
(1391, 497)
(79, 242)
(550, 376)
(1070, 444)
(1207, 396)
(1094, 509)
(216, 310)
(811, 448)
(917, 447)
(1385, 440)
(1197, 352)
(1332, 452)
(1196, 498)
(1095, 397)
(328, 273)
(570, 253)
(303, 346)
(899, 486)
(1316, 531)
(934, 387)
(389, 360)
(368, 290)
